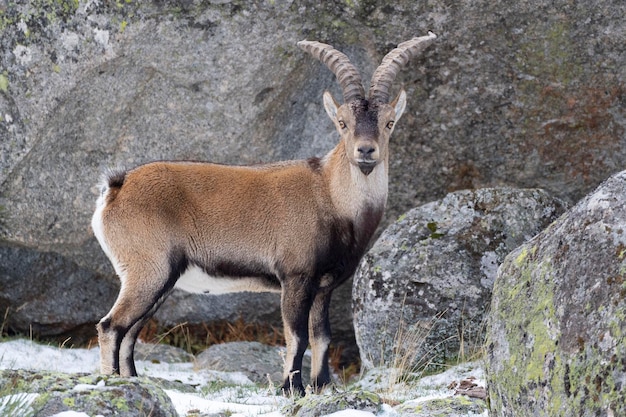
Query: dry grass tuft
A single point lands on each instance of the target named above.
(195, 338)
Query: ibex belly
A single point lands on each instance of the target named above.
(196, 280)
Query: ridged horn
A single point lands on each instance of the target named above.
(347, 75)
(392, 63)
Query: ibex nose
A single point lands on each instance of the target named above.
(366, 151)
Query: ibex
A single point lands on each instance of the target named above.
(297, 227)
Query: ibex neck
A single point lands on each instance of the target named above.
(353, 193)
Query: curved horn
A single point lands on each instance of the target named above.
(393, 62)
(346, 73)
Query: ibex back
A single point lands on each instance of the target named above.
(297, 227)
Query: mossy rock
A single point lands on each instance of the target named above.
(456, 406)
(91, 394)
(319, 405)
(557, 332)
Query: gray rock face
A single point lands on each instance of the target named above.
(421, 293)
(157, 353)
(30, 284)
(557, 330)
(526, 94)
(261, 363)
(227, 87)
(192, 308)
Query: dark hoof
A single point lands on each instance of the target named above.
(290, 390)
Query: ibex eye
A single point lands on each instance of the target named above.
(342, 124)
(390, 124)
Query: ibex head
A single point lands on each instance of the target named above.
(365, 124)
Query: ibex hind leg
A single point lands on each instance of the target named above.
(127, 347)
(118, 330)
(109, 339)
(319, 338)
(140, 296)
(115, 336)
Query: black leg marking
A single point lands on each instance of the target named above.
(178, 263)
(296, 300)
(320, 337)
(128, 343)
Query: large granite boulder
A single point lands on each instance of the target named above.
(557, 328)
(421, 293)
(525, 94)
(32, 295)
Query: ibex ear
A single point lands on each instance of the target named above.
(330, 105)
(399, 104)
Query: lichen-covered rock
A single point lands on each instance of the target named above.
(421, 293)
(557, 329)
(454, 406)
(90, 394)
(320, 405)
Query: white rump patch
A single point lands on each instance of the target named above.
(97, 226)
(195, 280)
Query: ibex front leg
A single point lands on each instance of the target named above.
(296, 299)
(320, 336)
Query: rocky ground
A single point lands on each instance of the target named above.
(39, 380)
